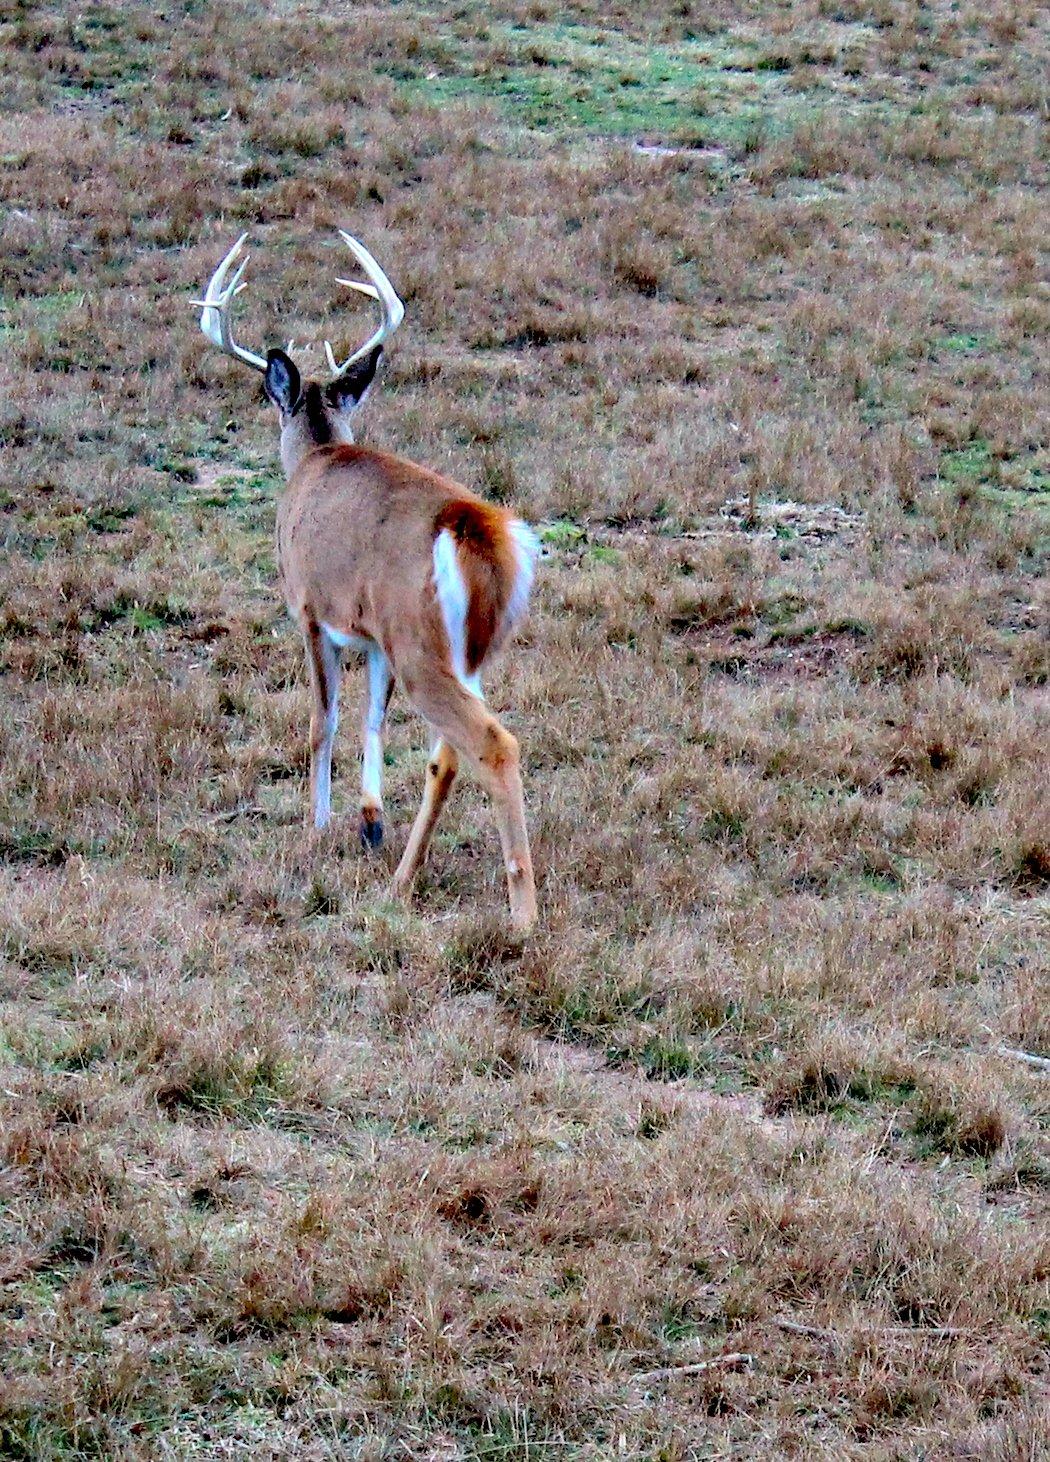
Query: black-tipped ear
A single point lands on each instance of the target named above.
(282, 382)
(349, 390)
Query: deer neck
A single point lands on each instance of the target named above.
(312, 425)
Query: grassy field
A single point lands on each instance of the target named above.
(746, 307)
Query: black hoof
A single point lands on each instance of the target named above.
(371, 831)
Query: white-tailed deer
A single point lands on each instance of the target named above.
(421, 576)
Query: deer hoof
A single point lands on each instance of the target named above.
(370, 830)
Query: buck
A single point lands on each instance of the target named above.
(380, 556)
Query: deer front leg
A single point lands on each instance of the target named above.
(322, 658)
(380, 686)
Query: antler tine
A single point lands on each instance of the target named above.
(215, 306)
(361, 288)
(381, 290)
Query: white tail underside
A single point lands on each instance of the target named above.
(451, 587)
(451, 590)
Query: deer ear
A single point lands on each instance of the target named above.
(348, 390)
(282, 382)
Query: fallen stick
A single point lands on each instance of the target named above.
(1041, 1063)
(793, 1327)
(734, 1360)
(230, 814)
(932, 1332)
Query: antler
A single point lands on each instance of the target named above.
(215, 306)
(380, 290)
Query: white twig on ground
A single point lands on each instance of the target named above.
(734, 1360)
(832, 1337)
(1040, 1063)
(794, 1327)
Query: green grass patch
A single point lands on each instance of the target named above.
(1010, 482)
(143, 616)
(678, 1325)
(969, 465)
(601, 553)
(42, 312)
(816, 1086)
(247, 1086)
(567, 78)
(971, 342)
(659, 1059)
(562, 533)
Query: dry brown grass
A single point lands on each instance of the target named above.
(290, 1171)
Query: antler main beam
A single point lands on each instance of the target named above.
(215, 308)
(381, 290)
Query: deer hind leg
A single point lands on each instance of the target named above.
(462, 720)
(322, 658)
(380, 686)
(441, 773)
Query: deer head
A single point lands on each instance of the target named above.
(312, 413)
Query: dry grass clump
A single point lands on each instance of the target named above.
(291, 1171)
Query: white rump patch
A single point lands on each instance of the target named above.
(451, 589)
(526, 551)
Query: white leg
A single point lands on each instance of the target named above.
(380, 684)
(323, 660)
